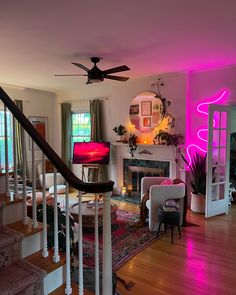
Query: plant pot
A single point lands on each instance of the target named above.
(198, 203)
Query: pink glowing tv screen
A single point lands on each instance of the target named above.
(91, 153)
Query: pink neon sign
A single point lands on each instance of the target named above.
(223, 93)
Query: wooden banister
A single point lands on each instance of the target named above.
(74, 181)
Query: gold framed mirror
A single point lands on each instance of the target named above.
(146, 111)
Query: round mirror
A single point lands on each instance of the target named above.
(146, 111)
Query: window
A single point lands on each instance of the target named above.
(81, 127)
(2, 140)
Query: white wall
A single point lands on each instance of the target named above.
(206, 84)
(36, 103)
(119, 96)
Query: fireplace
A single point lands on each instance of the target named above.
(150, 160)
(134, 170)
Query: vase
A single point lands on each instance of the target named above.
(198, 203)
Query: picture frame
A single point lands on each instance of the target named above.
(147, 121)
(41, 125)
(146, 108)
(134, 109)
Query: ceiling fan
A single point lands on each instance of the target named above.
(96, 75)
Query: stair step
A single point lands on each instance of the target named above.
(46, 263)
(7, 200)
(10, 245)
(61, 290)
(21, 276)
(27, 230)
(11, 209)
(56, 272)
(9, 236)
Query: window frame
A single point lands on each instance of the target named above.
(10, 140)
(85, 136)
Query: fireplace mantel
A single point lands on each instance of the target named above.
(119, 151)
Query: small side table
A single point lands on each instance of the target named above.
(169, 215)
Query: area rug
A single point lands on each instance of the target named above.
(128, 239)
(134, 199)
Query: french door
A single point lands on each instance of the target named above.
(217, 188)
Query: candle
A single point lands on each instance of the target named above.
(123, 191)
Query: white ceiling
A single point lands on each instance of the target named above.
(41, 38)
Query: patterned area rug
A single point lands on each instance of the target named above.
(127, 199)
(128, 239)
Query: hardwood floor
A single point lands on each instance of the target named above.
(202, 262)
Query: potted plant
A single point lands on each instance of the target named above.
(166, 138)
(120, 131)
(198, 181)
(132, 144)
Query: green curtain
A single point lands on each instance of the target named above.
(66, 125)
(19, 150)
(96, 135)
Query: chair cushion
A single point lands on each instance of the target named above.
(61, 189)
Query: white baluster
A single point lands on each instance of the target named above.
(6, 152)
(25, 218)
(80, 246)
(107, 249)
(68, 289)
(45, 239)
(97, 291)
(56, 256)
(34, 205)
(15, 157)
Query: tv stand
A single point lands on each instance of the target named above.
(97, 168)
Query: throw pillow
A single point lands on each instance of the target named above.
(166, 181)
(48, 167)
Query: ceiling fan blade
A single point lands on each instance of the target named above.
(70, 75)
(118, 78)
(80, 66)
(116, 70)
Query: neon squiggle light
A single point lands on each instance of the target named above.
(223, 93)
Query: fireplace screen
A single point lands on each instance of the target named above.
(134, 170)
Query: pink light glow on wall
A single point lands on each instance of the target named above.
(202, 108)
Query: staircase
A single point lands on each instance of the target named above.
(17, 276)
(27, 265)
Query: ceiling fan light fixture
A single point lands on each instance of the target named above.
(94, 80)
(95, 75)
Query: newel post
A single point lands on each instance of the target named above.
(107, 247)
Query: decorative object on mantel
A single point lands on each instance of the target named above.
(120, 131)
(132, 143)
(166, 138)
(145, 152)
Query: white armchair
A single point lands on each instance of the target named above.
(158, 194)
(49, 177)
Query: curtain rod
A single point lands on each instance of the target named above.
(85, 99)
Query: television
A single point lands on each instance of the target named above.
(91, 153)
